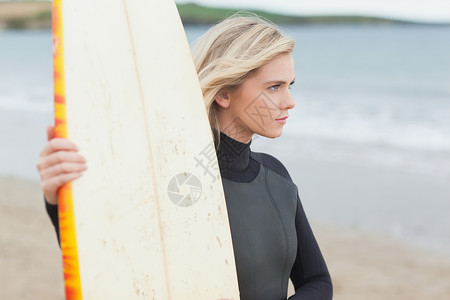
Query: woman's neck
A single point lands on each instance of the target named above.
(233, 154)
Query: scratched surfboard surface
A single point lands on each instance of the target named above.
(148, 219)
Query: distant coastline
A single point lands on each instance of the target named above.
(25, 15)
(37, 15)
(192, 14)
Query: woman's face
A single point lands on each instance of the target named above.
(260, 105)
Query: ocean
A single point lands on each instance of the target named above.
(367, 97)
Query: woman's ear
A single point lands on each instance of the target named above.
(223, 99)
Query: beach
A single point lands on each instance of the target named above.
(363, 265)
(367, 145)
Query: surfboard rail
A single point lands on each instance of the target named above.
(65, 200)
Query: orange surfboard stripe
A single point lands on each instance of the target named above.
(65, 201)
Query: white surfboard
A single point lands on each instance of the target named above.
(149, 213)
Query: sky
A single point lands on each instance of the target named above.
(417, 10)
(437, 11)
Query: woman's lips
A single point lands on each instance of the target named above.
(282, 120)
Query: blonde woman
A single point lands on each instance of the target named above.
(246, 69)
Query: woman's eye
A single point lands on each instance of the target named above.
(274, 87)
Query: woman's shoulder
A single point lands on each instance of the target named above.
(272, 163)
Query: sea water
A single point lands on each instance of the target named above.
(378, 96)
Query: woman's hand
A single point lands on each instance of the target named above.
(58, 164)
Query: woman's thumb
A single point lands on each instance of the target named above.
(50, 132)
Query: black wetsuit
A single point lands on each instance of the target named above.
(272, 238)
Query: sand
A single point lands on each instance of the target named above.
(363, 265)
(367, 266)
(30, 263)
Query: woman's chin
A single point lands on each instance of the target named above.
(271, 134)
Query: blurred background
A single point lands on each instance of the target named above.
(368, 143)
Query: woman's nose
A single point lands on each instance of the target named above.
(288, 102)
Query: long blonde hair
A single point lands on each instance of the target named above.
(232, 51)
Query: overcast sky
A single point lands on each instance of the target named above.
(422, 10)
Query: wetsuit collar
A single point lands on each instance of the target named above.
(232, 154)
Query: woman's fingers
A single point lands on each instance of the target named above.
(58, 144)
(59, 163)
(58, 158)
(51, 186)
(63, 168)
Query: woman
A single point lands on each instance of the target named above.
(246, 69)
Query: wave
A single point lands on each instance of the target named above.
(24, 104)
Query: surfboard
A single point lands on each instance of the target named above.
(148, 219)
